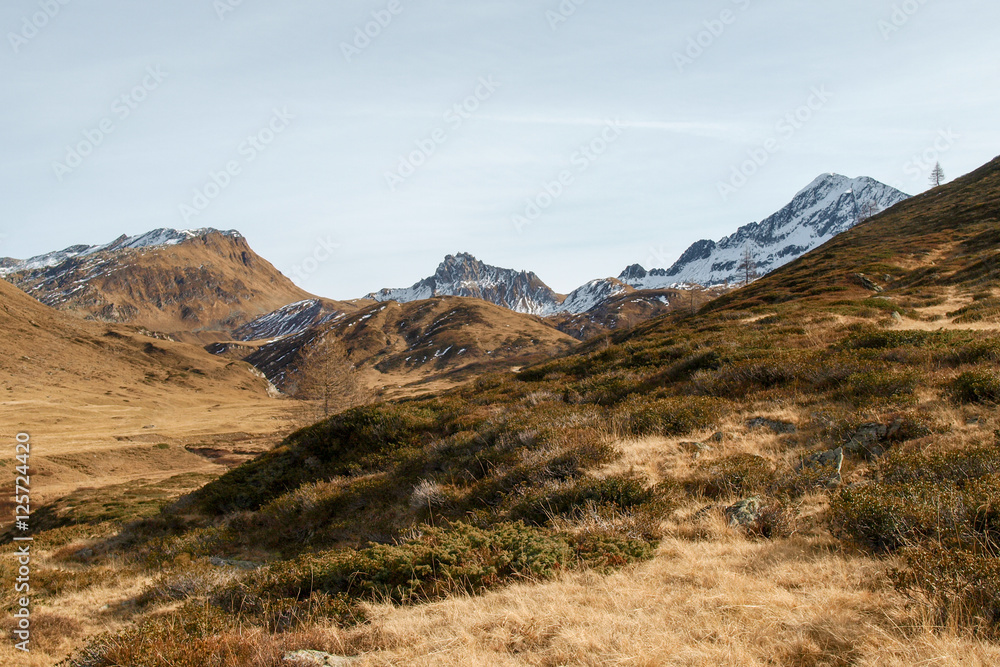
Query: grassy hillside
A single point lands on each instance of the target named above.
(805, 472)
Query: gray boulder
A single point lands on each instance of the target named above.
(317, 659)
(744, 513)
(868, 283)
(828, 464)
(870, 440)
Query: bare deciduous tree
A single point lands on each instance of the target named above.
(869, 210)
(937, 175)
(326, 375)
(748, 266)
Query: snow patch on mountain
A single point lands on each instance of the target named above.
(591, 295)
(286, 321)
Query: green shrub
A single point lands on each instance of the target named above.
(879, 386)
(620, 492)
(736, 475)
(354, 441)
(438, 562)
(885, 518)
(920, 496)
(742, 377)
(961, 584)
(641, 417)
(605, 551)
(881, 339)
(977, 386)
(958, 466)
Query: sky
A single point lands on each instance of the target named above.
(356, 143)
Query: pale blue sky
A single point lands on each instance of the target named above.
(649, 188)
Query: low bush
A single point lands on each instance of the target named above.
(437, 562)
(961, 585)
(623, 492)
(736, 475)
(882, 386)
(976, 386)
(641, 417)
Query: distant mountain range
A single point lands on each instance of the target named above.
(828, 206)
(207, 280)
(209, 287)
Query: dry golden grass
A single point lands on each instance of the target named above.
(797, 602)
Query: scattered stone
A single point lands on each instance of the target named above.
(744, 513)
(695, 449)
(870, 439)
(718, 437)
(84, 554)
(868, 283)
(832, 460)
(238, 564)
(317, 659)
(973, 421)
(773, 425)
(896, 317)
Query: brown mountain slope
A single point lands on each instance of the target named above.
(631, 309)
(443, 339)
(211, 282)
(96, 398)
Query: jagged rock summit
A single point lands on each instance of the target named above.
(464, 275)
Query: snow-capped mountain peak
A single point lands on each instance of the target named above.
(829, 205)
